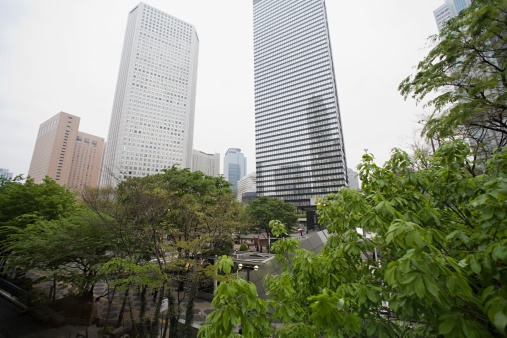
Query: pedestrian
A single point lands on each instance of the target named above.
(95, 315)
(155, 292)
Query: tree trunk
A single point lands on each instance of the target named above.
(189, 313)
(156, 317)
(173, 314)
(122, 309)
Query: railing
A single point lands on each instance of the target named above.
(15, 292)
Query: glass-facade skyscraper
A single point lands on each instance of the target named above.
(152, 121)
(234, 166)
(298, 131)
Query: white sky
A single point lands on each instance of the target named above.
(64, 55)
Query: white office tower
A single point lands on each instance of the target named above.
(448, 10)
(298, 132)
(246, 184)
(152, 121)
(208, 164)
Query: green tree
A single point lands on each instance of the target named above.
(177, 219)
(23, 203)
(429, 261)
(263, 210)
(70, 249)
(465, 77)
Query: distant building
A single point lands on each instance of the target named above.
(5, 174)
(448, 10)
(246, 185)
(65, 154)
(209, 164)
(353, 179)
(234, 166)
(152, 120)
(247, 197)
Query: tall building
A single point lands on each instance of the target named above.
(234, 166)
(5, 174)
(448, 10)
(208, 164)
(152, 120)
(65, 154)
(298, 131)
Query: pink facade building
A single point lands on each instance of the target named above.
(65, 154)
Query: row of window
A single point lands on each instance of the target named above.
(290, 104)
(274, 170)
(296, 88)
(290, 69)
(306, 116)
(304, 108)
(293, 37)
(289, 149)
(268, 12)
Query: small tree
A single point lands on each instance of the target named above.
(263, 209)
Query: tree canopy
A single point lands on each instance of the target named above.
(429, 260)
(264, 209)
(465, 77)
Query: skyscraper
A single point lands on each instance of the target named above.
(234, 166)
(65, 154)
(152, 121)
(299, 140)
(449, 10)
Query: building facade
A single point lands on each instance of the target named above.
(234, 166)
(152, 120)
(208, 164)
(246, 185)
(5, 174)
(65, 154)
(299, 139)
(449, 10)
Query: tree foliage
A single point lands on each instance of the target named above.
(263, 209)
(429, 261)
(71, 249)
(22, 203)
(465, 76)
(176, 219)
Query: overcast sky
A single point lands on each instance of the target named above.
(64, 55)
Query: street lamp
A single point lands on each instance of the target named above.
(248, 268)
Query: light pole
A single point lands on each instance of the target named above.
(248, 268)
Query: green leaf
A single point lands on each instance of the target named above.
(474, 264)
(447, 326)
(419, 288)
(500, 321)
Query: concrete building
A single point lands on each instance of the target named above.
(246, 185)
(65, 154)
(5, 174)
(448, 10)
(299, 143)
(234, 166)
(209, 164)
(152, 120)
(353, 179)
